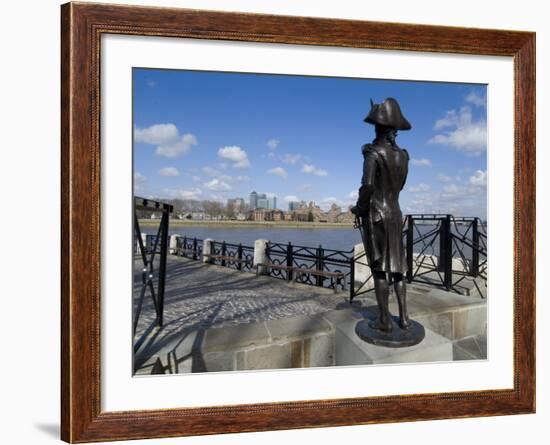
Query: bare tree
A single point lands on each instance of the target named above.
(213, 208)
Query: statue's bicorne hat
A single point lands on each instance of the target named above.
(388, 113)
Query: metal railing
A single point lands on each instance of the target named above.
(441, 251)
(316, 259)
(235, 256)
(152, 281)
(189, 247)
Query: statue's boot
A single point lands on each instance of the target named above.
(401, 294)
(382, 290)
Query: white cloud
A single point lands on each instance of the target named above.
(476, 99)
(236, 155)
(169, 171)
(183, 193)
(456, 197)
(305, 188)
(217, 185)
(157, 134)
(272, 144)
(170, 143)
(421, 162)
(291, 159)
(460, 131)
(242, 178)
(419, 188)
(178, 148)
(196, 178)
(278, 171)
(353, 194)
(479, 179)
(311, 169)
(291, 198)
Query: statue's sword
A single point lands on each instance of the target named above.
(358, 224)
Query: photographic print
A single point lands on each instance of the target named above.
(286, 221)
(297, 202)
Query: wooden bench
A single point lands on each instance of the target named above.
(338, 276)
(284, 267)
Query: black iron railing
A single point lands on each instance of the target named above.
(189, 247)
(444, 250)
(235, 256)
(315, 259)
(152, 280)
(441, 250)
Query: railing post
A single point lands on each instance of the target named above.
(352, 276)
(240, 256)
(224, 251)
(410, 244)
(261, 256)
(195, 248)
(475, 249)
(185, 246)
(446, 252)
(174, 239)
(162, 266)
(320, 265)
(207, 250)
(289, 261)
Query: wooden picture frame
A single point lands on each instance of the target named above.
(82, 26)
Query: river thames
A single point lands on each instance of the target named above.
(329, 238)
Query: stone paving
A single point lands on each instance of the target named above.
(201, 296)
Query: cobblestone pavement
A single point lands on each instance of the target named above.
(200, 296)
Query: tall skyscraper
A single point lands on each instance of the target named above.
(293, 205)
(272, 202)
(253, 201)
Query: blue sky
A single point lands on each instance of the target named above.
(213, 135)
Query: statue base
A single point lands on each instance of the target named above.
(397, 338)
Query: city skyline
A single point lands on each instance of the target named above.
(213, 136)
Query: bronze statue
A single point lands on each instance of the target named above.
(380, 220)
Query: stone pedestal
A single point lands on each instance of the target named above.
(260, 255)
(173, 243)
(207, 250)
(351, 350)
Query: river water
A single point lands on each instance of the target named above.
(329, 238)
